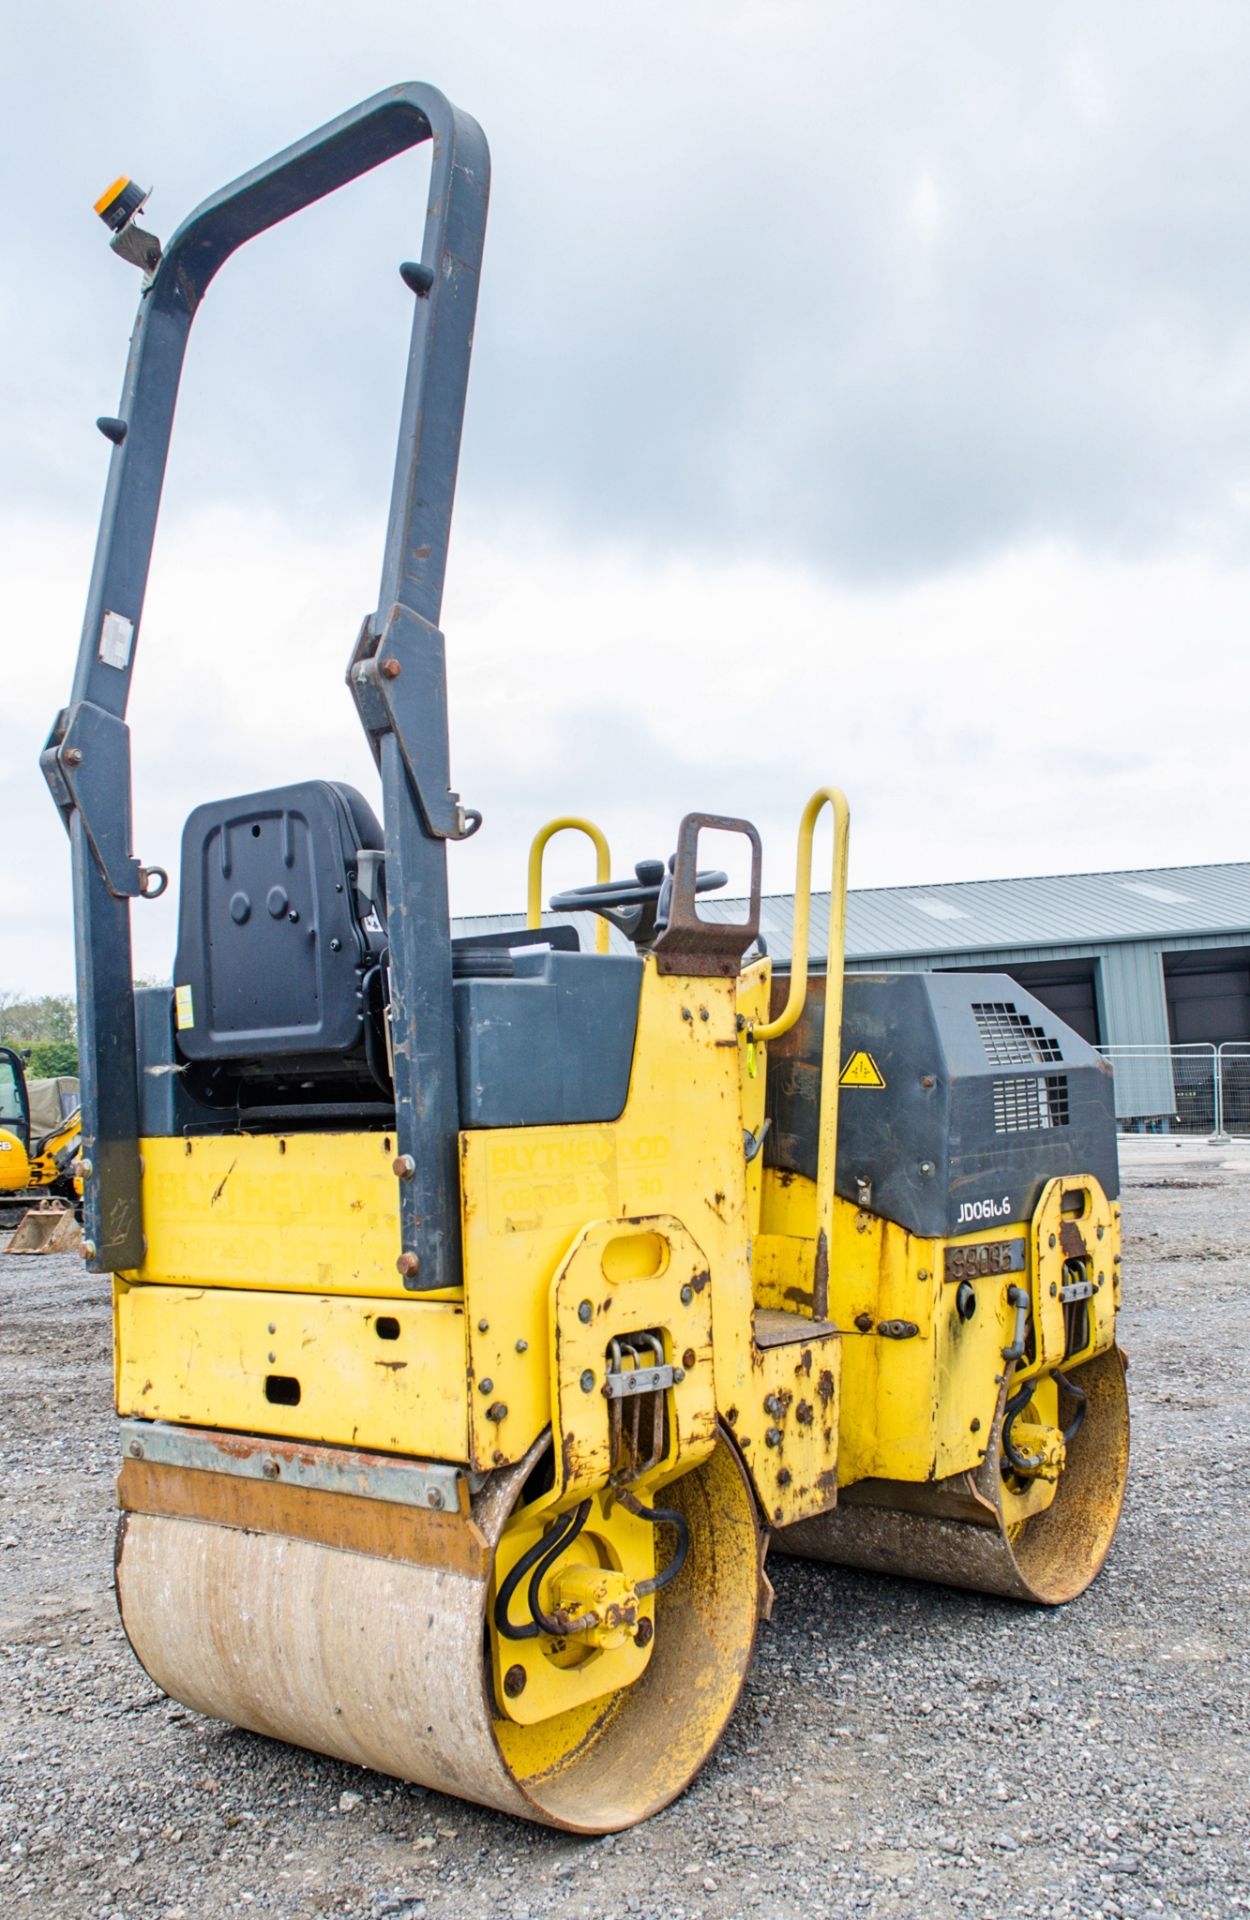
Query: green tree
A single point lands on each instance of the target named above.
(29, 1023)
(49, 1059)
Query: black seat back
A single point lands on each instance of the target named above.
(277, 972)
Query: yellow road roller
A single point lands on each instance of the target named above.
(485, 1308)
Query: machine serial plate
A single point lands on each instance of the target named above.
(988, 1256)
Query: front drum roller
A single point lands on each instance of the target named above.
(385, 1663)
(963, 1534)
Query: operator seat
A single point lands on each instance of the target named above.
(280, 985)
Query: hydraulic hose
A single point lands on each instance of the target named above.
(539, 1557)
(659, 1516)
(1022, 1462)
(1082, 1402)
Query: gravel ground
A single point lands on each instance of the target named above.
(900, 1750)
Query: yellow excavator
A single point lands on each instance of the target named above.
(39, 1132)
(487, 1308)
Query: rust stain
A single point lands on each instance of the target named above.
(803, 1413)
(820, 1278)
(699, 1280)
(825, 1387)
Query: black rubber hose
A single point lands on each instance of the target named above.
(543, 1621)
(666, 1517)
(1022, 1462)
(544, 1550)
(1082, 1404)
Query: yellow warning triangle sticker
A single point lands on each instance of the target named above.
(861, 1070)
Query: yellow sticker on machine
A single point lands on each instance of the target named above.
(184, 1008)
(861, 1070)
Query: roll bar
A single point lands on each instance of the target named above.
(396, 674)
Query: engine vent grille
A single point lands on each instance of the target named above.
(1010, 1038)
(1032, 1101)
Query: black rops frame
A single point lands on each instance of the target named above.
(397, 671)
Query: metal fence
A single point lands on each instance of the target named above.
(1199, 1089)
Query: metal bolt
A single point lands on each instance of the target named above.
(927, 1168)
(678, 1376)
(85, 1169)
(923, 1273)
(644, 1632)
(687, 1295)
(686, 1014)
(389, 669)
(497, 1412)
(336, 946)
(974, 1426)
(514, 1682)
(88, 1249)
(1052, 1241)
(434, 1497)
(271, 1469)
(483, 1326)
(1054, 1288)
(688, 1358)
(273, 1328)
(486, 1386)
(772, 1437)
(403, 1166)
(585, 1313)
(408, 1265)
(136, 1449)
(588, 1381)
(72, 756)
(272, 1358)
(784, 1477)
(927, 1080)
(1100, 1233)
(704, 1014)
(522, 1346)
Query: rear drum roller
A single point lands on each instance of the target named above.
(387, 1662)
(968, 1533)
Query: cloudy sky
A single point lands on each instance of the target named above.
(861, 394)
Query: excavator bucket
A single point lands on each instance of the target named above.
(51, 1227)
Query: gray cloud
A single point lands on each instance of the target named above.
(880, 289)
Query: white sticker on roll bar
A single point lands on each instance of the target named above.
(116, 639)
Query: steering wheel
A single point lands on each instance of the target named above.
(639, 907)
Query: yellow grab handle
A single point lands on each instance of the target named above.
(538, 846)
(831, 1045)
(823, 797)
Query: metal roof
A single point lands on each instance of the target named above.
(985, 916)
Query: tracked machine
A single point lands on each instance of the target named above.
(485, 1308)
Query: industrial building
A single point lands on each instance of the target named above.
(1140, 961)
